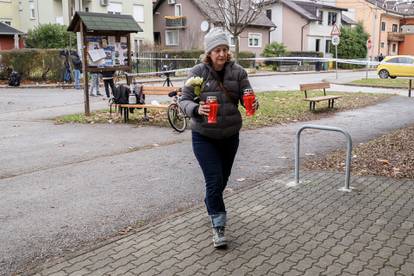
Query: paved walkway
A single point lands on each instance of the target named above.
(311, 229)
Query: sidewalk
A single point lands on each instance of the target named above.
(311, 229)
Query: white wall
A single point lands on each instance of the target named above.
(277, 18)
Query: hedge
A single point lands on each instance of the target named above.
(33, 64)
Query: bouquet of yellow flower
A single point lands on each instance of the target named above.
(195, 82)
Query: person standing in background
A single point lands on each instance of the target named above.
(94, 85)
(108, 79)
(77, 69)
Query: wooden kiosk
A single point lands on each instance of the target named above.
(106, 43)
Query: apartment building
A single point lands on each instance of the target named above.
(390, 24)
(27, 14)
(305, 25)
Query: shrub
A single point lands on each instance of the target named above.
(33, 64)
(50, 36)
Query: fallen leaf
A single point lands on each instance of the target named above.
(241, 179)
(384, 161)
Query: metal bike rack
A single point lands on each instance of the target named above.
(346, 188)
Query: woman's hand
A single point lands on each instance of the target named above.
(203, 108)
(256, 104)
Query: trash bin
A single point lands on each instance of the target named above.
(318, 66)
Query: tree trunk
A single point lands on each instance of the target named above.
(236, 53)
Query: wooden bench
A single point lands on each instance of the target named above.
(146, 90)
(312, 101)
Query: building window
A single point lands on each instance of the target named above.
(320, 18)
(332, 18)
(171, 38)
(382, 44)
(394, 47)
(395, 28)
(178, 10)
(255, 40)
(383, 26)
(269, 14)
(32, 10)
(328, 46)
(232, 41)
(138, 11)
(115, 8)
(317, 45)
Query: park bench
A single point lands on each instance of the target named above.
(317, 86)
(146, 90)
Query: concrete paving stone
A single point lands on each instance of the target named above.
(325, 261)
(407, 269)
(304, 264)
(77, 266)
(122, 270)
(79, 272)
(123, 253)
(387, 271)
(334, 269)
(142, 251)
(58, 273)
(95, 265)
(143, 266)
(366, 272)
(396, 261)
(409, 240)
(293, 272)
(393, 242)
(145, 258)
(123, 261)
(376, 263)
(55, 268)
(355, 266)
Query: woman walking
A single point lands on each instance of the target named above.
(215, 144)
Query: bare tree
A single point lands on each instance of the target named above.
(234, 15)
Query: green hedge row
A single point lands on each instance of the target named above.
(33, 64)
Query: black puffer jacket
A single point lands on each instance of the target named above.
(229, 119)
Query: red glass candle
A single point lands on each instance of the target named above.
(212, 115)
(248, 99)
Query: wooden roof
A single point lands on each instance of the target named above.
(104, 22)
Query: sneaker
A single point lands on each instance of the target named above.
(99, 94)
(93, 95)
(219, 240)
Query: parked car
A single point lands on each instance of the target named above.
(396, 66)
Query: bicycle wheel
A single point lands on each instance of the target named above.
(176, 117)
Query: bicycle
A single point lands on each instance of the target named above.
(176, 116)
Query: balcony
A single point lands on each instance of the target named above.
(175, 22)
(395, 37)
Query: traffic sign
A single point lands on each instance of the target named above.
(335, 30)
(369, 44)
(335, 40)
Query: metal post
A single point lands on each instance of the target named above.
(410, 85)
(336, 62)
(347, 187)
(366, 73)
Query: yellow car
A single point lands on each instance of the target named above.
(396, 66)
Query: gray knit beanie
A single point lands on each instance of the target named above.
(214, 38)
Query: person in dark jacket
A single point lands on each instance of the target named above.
(77, 69)
(108, 79)
(215, 145)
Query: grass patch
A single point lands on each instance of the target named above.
(275, 108)
(397, 83)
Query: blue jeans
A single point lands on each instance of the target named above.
(216, 159)
(94, 84)
(77, 78)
